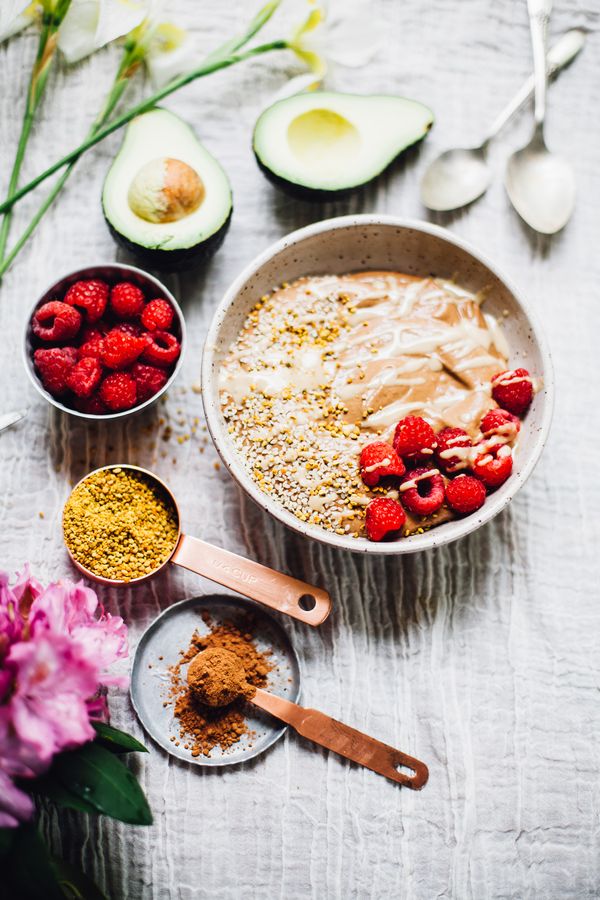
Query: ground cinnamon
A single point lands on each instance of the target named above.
(203, 727)
(216, 677)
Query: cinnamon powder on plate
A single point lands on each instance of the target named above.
(201, 728)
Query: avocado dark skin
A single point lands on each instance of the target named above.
(318, 195)
(172, 260)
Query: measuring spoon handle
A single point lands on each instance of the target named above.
(288, 595)
(348, 742)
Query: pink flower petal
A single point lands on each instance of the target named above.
(15, 805)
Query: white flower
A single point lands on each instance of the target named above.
(91, 24)
(87, 25)
(168, 53)
(16, 15)
(347, 38)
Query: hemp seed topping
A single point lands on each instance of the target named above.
(119, 524)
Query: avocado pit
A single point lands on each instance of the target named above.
(165, 190)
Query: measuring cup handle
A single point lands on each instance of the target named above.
(348, 742)
(288, 595)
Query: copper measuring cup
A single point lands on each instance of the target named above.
(287, 595)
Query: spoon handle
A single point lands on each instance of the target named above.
(539, 15)
(11, 418)
(348, 742)
(288, 595)
(561, 54)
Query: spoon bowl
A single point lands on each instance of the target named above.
(541, 186)
(457, 177)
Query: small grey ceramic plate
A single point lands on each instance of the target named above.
(170, 633)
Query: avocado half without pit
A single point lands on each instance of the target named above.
(166, 199)
(323, 145)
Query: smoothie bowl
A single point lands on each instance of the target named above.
(376, 384)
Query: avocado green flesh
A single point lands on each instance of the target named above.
(328, 142)
(154, 135)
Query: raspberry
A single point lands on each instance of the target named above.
(378, 460)
(121, 349)
(126, 300)
(157, 315)
(130, 328)
(83, 378)
(465, 494)
(414, 438)
(91, 296)
(56, 321)
(162, 348)
(494, 466)
(450, 439)
(93, 344)
(422, 491)
(149, 380)
(513, 390)
(384, 517)
(118, 391)
(500, 422)
(92, 405)
(53, 365)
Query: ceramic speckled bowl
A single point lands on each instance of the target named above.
(354, 243)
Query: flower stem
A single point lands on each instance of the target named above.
(206, 69)
(112, 100)
(127, 67)
(258, 22)
(35, 90)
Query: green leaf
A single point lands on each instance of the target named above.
(100, 778)
(74, 884)
(115, 740)
(27, 872)
(50, 787)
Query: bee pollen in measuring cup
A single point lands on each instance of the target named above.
(119, 524)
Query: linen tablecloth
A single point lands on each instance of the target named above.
(482, 657)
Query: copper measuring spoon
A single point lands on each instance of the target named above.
(287, 595)
(348, 742)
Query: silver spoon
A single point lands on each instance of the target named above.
(459, 176)
(540, 184)
(11, 418)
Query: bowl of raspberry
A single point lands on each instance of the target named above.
(104, 342)
(377, 384)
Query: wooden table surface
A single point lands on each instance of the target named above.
(482, 657)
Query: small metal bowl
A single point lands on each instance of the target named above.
(111, 273)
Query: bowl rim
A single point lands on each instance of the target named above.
(435, 537)
(84, 272)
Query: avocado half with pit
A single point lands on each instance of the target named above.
(322, 145)
(166, 199)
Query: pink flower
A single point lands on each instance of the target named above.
(48, 707)
(55, 656)
(71, 608)
(15, 805)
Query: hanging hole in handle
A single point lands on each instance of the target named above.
(405, 770)
(307, 602)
